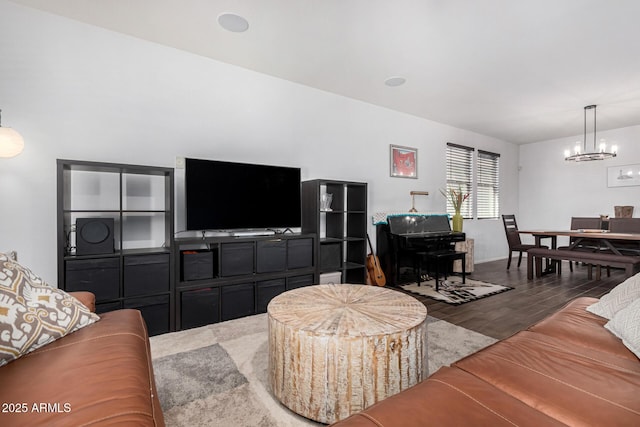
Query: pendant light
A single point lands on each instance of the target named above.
(599, 153)
(11, 142)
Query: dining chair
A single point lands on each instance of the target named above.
(619, 225)
(625, 225)
(513, 238)
(584, 223)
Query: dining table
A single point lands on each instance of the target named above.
(627, 244)
(607, 239)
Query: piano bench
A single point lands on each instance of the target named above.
(437, 257)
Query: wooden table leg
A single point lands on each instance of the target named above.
(538, 262)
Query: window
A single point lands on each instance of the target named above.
(460, 176)
(488, 184)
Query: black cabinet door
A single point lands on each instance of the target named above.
(299, 253)
(236, 259)
(99, 276)
(266, 291)
(238, 301)
(155, 311)
(199, 307)
(146, 274)
(271, 256)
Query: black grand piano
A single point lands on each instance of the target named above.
(402, 236)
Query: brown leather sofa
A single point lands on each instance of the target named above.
(100, 375)
(566, 370)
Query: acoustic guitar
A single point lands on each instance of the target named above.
(375, 275)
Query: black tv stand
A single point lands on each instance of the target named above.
(225, 277)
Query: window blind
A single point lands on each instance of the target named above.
(460, 176)
(488, 184)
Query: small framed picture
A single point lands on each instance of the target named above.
(623, 176)
(403, 161)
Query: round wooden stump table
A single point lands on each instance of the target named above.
(337, 349)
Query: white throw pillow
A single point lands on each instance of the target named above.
(619, 297)
(626, 326)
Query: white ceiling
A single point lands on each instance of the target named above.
(518, 70)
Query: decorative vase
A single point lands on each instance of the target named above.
(325, 202)
(457, 221)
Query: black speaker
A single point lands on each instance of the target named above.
(94, 236)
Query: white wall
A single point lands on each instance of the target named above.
(553, 190)
(80, 92)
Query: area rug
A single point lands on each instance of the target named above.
(216, 375)
(452, 291)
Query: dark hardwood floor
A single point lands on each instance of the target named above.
(500, 316)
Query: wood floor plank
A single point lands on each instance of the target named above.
(502, 315)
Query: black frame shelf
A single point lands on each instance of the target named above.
(342, 230)
(123, 278)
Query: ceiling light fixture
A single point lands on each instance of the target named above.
(395, 81)
(11, 143)
(232, 22)
(600, 153)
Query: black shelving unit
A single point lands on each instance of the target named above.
(224, 277)
(136, 269)
(342, 229)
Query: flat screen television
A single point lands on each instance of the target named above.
(229, 196)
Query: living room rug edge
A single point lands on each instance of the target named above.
(231, 386)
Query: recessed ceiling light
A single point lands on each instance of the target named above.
(233, 22)
(395, 81)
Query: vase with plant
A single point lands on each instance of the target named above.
(457, 198)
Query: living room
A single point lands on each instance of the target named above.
(79, 91)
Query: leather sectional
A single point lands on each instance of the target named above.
(566, 370)
(99, 375)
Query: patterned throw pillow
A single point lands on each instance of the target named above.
(626, 326)
(619, 297)
(32, 313)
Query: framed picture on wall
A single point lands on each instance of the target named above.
(623, 176)
(403, 161)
